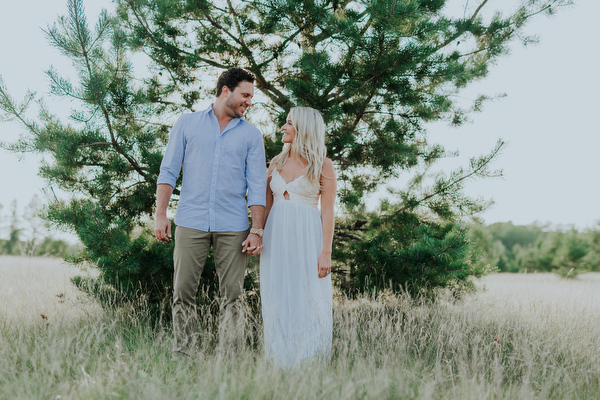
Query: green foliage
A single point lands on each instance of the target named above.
(55, 248)
(379, 71)
(109, 159)
(537, 248)
(411, 254)
(416, 245)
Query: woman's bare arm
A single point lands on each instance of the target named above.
(269, 192)
(328, 193)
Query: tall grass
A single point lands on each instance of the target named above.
(526, 337)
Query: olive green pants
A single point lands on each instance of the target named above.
(191, 250)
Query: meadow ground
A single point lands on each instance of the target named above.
(524, 336)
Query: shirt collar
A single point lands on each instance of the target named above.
(233, 123)
(209, 109)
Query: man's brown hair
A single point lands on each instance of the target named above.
(232, 77)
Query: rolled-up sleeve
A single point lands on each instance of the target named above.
(170, 166)
(256, 172)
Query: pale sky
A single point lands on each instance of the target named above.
(548, 117)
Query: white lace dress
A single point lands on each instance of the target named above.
(296, 303)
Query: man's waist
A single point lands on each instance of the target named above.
(207, 223)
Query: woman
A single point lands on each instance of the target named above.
(295, 266)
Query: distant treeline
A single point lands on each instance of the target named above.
(530, 248)
(26, 234)
(46, 247)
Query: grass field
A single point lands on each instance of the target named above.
(532, 336)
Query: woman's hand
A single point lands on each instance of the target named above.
(252, 245)
(324, 264)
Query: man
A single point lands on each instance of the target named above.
(223, 158)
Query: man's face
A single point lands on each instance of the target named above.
(239, 100)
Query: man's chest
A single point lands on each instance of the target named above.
(231, 145)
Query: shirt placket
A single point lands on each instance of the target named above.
(213, 184)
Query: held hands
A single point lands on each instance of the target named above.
(162, 228)
(324, 264)
(252, 245)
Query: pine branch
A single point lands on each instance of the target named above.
(103, 27)
(461, 178)
(13, 110)
(281, 47)
(341, 234)
(162, 43)
(77, 20)
(460, 32)
(268, 89)
(547, 7)
(452, 242)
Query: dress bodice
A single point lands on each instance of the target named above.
(299, 190)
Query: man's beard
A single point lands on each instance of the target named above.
(232, 109)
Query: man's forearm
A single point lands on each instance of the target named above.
(163, 196)
(257, 216)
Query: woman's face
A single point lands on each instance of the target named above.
(288, 131)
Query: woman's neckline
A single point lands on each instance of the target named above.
(290, 182)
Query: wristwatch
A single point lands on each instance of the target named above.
(259, 232)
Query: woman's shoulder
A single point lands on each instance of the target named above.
(327, 166)
(273, 163)
(327, 171)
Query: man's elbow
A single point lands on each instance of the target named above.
(166, 178)
(257, 204)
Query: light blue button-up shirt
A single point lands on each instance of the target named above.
(219, 168)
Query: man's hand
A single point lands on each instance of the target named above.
(162, 225)
(324, 264)
(252, 245)
(162, 228)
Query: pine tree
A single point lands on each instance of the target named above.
(107, 156)
(379, 70)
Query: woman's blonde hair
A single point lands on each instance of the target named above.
(308, 143)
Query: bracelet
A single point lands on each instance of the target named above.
(259, 232)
